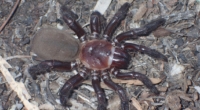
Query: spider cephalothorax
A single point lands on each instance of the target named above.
(96, 55)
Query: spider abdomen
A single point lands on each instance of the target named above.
(97, 54)
(55, 44)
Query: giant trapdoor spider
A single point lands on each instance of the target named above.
(94, 55)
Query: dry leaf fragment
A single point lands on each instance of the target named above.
(136, 104)
(141, 11)
(46, 107)
(176, 70)
(78, 106)
(136, 82)
(173, 102)
(171, 2)
(196, 96)
(173, 99)
(191, 2)
(102, 5)
(121, 2)
(161, 32)
(197, 88)
(127, 82)
(114, 102)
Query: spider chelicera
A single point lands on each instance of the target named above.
(93, 55)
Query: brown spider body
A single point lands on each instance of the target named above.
(55, 44)
(102, 55)
(98, 56)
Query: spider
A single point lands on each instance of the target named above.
(96, 55)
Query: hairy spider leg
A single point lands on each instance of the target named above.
(143, 49)
(100, 94)
(143, 31)
(69, 86)
(95, 24)
(120, 91)
(135, 75)
(115, 21)
(48, 65)
(71, 22)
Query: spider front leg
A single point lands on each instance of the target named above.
(143, 31)
(150, 52)
(135, 75)
(68, 17)
(101, 96)
(48, 65)
(120, 91)
(69, 85)
(116, 20)
(95, 24)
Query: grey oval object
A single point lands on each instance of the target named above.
(55, 44)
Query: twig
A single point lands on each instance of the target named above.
(18, 87)
(10, 15)
(17, 56)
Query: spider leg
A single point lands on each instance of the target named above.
(95, 24)
(48, 65)
(143, 31)
(68, 17)
(120, 91)
(135, 75)
(101, 96)
(150, 52)
(68, 87)
(116, 20)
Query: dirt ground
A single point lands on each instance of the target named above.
(178, 80)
